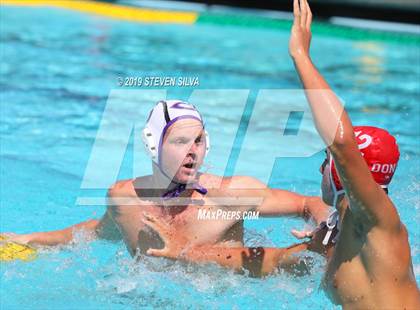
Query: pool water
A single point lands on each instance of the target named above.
(57, 69)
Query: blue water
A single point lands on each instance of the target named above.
(57, 69)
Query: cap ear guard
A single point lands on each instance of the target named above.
(207, 142)
(149, 143)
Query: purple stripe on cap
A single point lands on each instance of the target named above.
(183, 106)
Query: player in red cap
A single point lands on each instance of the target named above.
(369, 266)
(380, 151)
(369, 260)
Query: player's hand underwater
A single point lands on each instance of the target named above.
(300, 38)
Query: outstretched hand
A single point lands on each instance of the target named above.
(300, 38)
(174, 244)
(302, 234)
(316, 236)
(17, 238)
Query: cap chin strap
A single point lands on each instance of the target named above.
(336, 192)
(333, 220)
(180, 187)
(176, 192)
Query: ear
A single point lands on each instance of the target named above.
(207, 142)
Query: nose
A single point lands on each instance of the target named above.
(193, 150)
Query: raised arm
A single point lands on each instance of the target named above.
(367, 200)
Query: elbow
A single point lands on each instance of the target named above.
(342, 144)
(343, 137)
(344, 134)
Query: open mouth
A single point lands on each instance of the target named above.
(189, 165)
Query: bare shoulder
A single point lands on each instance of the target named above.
(210, 180)
(233, 182)
(123, 188)
(124, 197)
(244, 182)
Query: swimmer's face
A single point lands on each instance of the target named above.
(183, 150)
(326, 186)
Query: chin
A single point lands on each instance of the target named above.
(185, 178)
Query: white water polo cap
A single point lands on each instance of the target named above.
(162, 116)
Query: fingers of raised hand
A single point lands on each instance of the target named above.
(296, 12)
(303, 13)
(309, 17)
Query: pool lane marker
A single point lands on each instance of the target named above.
(318, 28)
(114, 11)
(146, 15)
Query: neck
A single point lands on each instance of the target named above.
(164, 184)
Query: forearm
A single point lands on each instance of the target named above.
(331, 120)
(316, 209)
(258, 261)
(284, 203)
(63, 236)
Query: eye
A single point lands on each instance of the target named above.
(181, 141)
(199, 140)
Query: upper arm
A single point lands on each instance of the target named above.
(123, 212)
(272, 202)
(107, 228)
(368, 201)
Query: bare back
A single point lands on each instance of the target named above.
(379, 264)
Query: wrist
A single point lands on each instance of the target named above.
(301, 58)
(24, 239)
